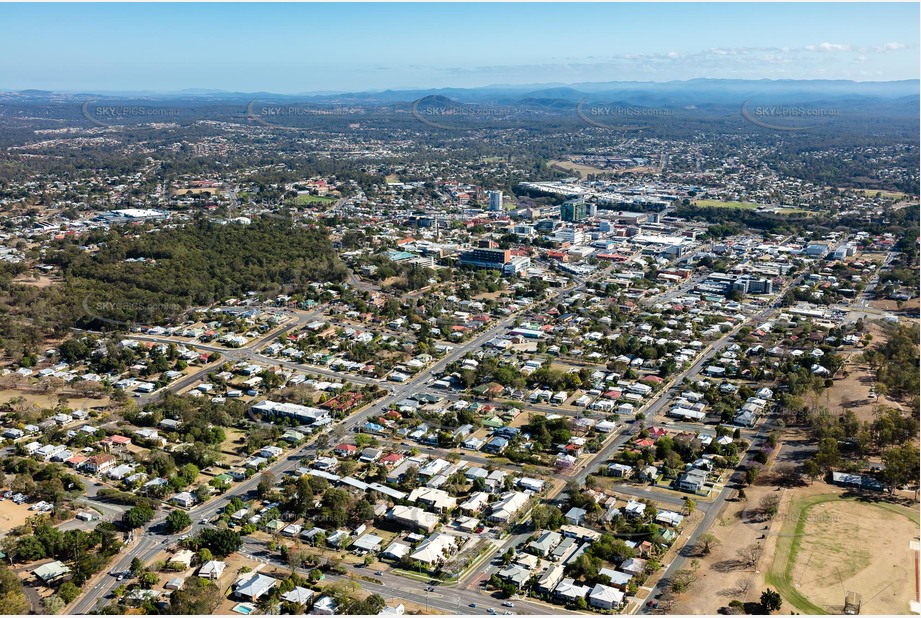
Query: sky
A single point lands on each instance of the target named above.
(300, 48)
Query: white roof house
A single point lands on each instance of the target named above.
(508, 506)
(605, 597)
(212, 569)
(251, 586)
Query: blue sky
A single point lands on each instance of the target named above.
(287, 48)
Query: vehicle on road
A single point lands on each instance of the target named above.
(430, 589)
(508, 604)
(491, 611)
(473, 605)
(378, 572)
(652, 604)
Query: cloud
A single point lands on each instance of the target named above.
(888, 47)
(829, 47)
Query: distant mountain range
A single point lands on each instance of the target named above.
(665, 94)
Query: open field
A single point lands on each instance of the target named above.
(576, 167)
(309, 200)
(12, 515)
(853, 392)
(198, 191)
(721, 204)
(830, 545)
(47, 401)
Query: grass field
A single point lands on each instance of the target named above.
(830, 545)
(720, 204)
(310, 200)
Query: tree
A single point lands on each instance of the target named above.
(68, 591)
(220, 543)
(901, 466)
(770, 600)
(198, 597)
(13, 601)
(177, 521)
(706, 543)
(137, 516)
(148, 580)
(812, 470)
(266, 484)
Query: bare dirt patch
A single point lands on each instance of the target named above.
(12, 515)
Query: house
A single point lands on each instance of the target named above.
(370, 455)
(270, 451)
(515, 574)
(575, 516)
(370, 543)
(605, 597)
(618, 579)
(413, 518)
(396, 550)
(435, 549)
(549, 580)
(99, 463)
(475, 503)
(324, 606)
(391, 460)
(298, 596)
(184, 499)
(174, 584)
(635, 508)
(183, 557)
(619, 470)
(346, 450)
(399, 610)
(669, 518)
(529, 484)
(496, 445)
(692, 480)
(545, 543)
(435, 499)
(506, 508)
(633, 566)
(213, 569)
(51, 572)
(568, 590)
(251, 586)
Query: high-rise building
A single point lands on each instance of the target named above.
(495, 200)
(574, 211)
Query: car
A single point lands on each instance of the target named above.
(508, 604)
(204, 520)
(491, 611)
(378, 572)
(652, 604)
(121, 577)
(473, 605)
(430, 589)
(506, 613)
